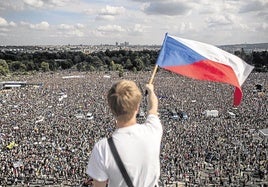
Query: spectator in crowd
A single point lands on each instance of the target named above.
(138, 144)
(46, 138)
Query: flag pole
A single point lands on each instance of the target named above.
(153, 74)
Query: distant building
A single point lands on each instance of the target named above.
(123, 44)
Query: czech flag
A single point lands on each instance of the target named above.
(203, 62)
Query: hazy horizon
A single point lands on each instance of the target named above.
(158, 45)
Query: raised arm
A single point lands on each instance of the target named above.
(99, 183)
(152, 100)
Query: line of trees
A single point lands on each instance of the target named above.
(259, 59)
(120, 60)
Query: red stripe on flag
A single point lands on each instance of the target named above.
(210, 71)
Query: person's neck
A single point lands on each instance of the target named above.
(121, 124)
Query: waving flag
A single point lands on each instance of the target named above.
(203, 62)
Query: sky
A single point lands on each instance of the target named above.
(139, 22)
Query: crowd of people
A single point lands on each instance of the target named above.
(46, 136)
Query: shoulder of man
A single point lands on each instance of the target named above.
(102, 143)
(154, 122)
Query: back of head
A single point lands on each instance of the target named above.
(124, 98)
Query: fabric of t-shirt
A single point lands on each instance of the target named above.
(139, 148)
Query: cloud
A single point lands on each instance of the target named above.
(46, 3)
(66, 30)
(65, 26)
(58, 3)
(138, 28)
(218, 20)
(12, 24)
(216, 7)
(136, 21)
(112, 10)
(263, 15)
(110, 28)
(109, 12)
(148, 0)
(3, 34)
(79, 26)
(39, 26)
(105, 17)
(72, 33)
(11, 5)
(253, 6)
(4, 23)
(34, 3)
(186, 27)
(170, 8)
(71, 27)
(4, 29)
(262, 27)
(89, 11)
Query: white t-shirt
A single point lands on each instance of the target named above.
(139, 149)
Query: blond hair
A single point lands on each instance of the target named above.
(124, 98)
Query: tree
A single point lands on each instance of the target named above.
(45, 66)
(17, 66)
(112, 66)
(96, 62)
(53, 65)
(134, 69)
(92, 68)
(108, 53)
(147, 60)
(118, 67)
(29, 65)
(106, 60)
(66, 64)
(128, 64)
(121, 72)
(139, 64)
(259, 60)
(4, 70)
(79, 66)
(77, 59)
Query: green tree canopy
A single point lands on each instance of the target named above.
(4, 70)
(45, 66)
(17, 66)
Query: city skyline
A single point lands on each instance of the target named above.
(139, 22)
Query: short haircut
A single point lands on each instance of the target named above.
(124, 98)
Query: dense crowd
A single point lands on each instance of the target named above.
(46, 136)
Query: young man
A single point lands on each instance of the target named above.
(137, 144)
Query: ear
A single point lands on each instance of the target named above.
(138, 108)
